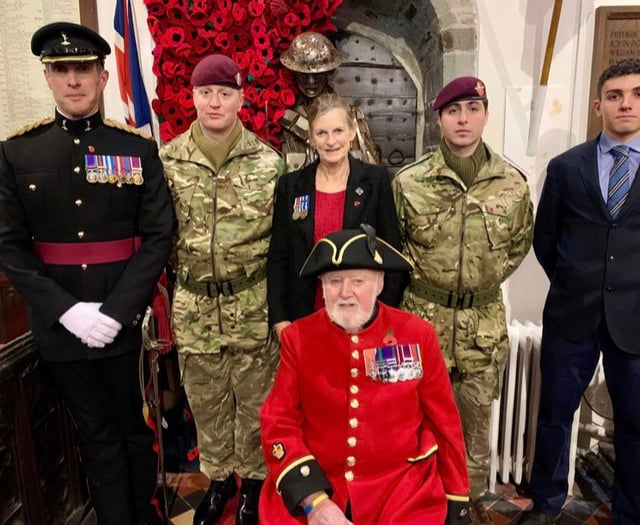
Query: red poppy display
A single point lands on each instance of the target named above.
(252, 32)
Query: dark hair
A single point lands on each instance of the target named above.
(325, 103)
(484, 101)
(628, 66)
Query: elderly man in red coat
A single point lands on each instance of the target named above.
(361, 426)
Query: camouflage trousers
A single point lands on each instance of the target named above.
(472, 394)
(474, 344)
(226, 391)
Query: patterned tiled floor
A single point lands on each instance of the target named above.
(186, 491)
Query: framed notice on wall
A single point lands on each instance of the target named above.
(24, 95)
(616, 36)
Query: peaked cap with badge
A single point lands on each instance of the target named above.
(68, 42)
(461, 88)
(354, 249)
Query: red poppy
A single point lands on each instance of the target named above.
(225, 5)
(250, 94)
(241, 58)
(239, 13)
(222, 41)
(287, 97)
(198, 17)
(155, 7)
(256, 8)
(201, 47)
(221, 21)
(185, 99)
(166, 131)
(171, 69)
(303, 11)
(176, 15)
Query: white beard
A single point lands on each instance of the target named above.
(351, 322)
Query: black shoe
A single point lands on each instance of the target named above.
(211, 507)
(248, 504)
(530, 517)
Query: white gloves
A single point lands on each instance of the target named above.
(90, 325)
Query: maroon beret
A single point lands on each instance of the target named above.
(461, 88)
(216, 69)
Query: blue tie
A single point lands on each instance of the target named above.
(618, 180)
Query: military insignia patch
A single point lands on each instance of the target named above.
(277, 450)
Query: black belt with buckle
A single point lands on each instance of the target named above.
(225, 288)
(451, 299)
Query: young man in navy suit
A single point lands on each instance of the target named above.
(587, 239)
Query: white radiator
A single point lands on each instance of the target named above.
(515, 413)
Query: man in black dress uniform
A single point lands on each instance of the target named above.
(85, 230)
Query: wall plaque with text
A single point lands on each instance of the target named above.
(616, 37)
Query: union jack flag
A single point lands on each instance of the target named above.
(134, 97)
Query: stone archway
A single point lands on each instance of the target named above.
(434, 40)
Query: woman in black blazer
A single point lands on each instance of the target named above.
(308, 206)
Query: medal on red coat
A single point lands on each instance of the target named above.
(391, 364)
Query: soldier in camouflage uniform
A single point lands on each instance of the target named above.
(222, 178)
(466, 222)
(311, 56)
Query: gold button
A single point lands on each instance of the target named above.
(351, 461)
(32, 187)
(354, 389)
(78, 202)
(76, 169)
(354, 372)
(354, 403)
(305, 471)
(355, 339)
(134, 323)
(353, 422)
(76, 141)
(348, 475)
(352, 441)
(80, 235)
(138, 316)
(84, 266)
(355, 354)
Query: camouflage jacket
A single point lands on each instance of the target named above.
(463, 240)
(224, 227)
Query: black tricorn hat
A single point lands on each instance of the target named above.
(68, 42)
(354, 249)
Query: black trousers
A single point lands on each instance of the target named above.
(116, 446)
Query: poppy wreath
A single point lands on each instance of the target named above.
(252, 32)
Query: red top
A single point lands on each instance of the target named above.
(328, 219)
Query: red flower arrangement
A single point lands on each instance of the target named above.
(252, 32)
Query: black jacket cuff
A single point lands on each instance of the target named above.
(457, 513)
(301, 481)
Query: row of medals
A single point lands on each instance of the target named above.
(134, 177)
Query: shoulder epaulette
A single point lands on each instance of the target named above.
(125, 127)
(31, 126)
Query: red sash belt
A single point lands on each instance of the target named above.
(87, 252)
